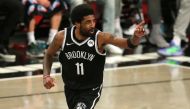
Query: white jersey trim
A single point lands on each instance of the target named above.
(72, 38)
(93, 104)
(64, 39)
(96, 44)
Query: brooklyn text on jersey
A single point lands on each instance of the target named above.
(79, 54)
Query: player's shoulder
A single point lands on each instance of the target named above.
(60, 34)
(103, 37)
(59, 37)
(103, 34)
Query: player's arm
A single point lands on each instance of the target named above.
(132, 42)
(48, 59)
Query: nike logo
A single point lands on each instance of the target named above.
(95, 88)
(69, 44)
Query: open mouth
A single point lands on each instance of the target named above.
(91, 31)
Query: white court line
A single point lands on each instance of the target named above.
(21, 68)
(153, 54)
(119, 59)
(180, 58)
(176, 65)
(106, 69)
(38, 66)
(130, 58)
(56, 65)
(140, 57)
(135, 66)
(5, 70)
(28, 77)
(26, 68)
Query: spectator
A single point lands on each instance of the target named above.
(111, 21)
(47, 8)
(180, 26)
(74, 3)
(12, 10)
(155, 15)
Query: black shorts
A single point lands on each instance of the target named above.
(82, 99)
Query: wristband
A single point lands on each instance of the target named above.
(45, 76)
(130, 45)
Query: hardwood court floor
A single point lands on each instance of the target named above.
(153, 86)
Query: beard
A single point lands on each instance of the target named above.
(88, 33)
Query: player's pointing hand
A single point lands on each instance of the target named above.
(140, 31)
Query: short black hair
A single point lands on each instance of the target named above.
(80, 11)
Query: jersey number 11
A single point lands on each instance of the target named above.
(80, 68)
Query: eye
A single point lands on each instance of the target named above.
(94, 20)
(88, 22)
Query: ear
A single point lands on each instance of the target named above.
(77, 25)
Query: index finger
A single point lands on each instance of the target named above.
(141, 23)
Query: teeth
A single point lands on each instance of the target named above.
(92, 31)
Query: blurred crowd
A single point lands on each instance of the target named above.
(167, 22)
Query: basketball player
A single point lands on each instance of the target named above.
(82, 56)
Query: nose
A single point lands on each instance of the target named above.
(93, 24)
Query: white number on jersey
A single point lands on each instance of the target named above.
(80, 68)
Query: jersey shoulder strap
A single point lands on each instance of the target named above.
(67, 35)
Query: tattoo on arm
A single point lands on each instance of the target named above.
(112, 37)
(53, 44)
(55, 41)
(48, 58)
(108, 38)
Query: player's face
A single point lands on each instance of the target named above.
(87, 26)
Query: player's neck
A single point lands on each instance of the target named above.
(79, 36)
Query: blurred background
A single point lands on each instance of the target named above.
(27, 27)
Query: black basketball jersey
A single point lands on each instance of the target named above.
(82, 63)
